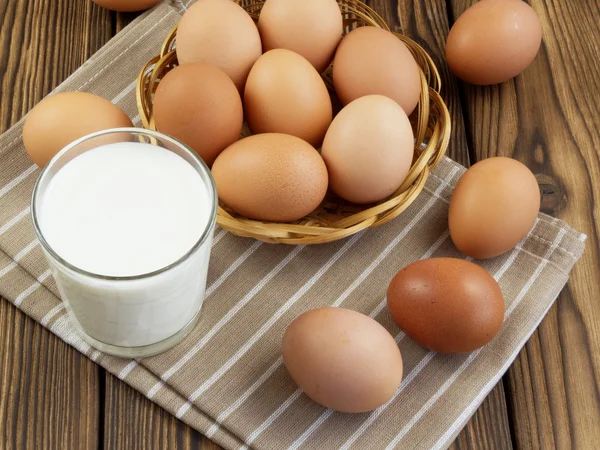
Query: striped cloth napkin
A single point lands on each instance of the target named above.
(226, 379)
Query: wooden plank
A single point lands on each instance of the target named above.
(48, 391)
(134, 422)
(41, 43)
(427, 23)
(548, 118)
(489, 427)
(131, 421)
(121, 20)
(430, 35)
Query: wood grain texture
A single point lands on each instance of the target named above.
(131, 421)
(489, 427)
(48, 390)
(121, 20)
(41, 43)
(548, 118)
(134, 422)
(426, 22)
(552, 388)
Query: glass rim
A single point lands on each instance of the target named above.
(204, 173)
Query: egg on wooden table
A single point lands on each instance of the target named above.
(493, 41)
(493, 207)
(221, 33)
(368, 149)
(63, 118)
(311, 28)
(285, 94)
(446, 305)
(271, 177)
(342, 359)
(127, 5)
(199, 105)
(370, 61)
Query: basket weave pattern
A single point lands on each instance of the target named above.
(335, 218)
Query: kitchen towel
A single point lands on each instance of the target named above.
(227, 378)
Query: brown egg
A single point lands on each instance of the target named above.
(221, 33)
(447, 305)
(493, 207)
(285, 94)
(370, 60)
(493, 41)
(342, 359)
(311, 28)
(271, 177)
(127, 5)
(368, 149)
(199, 105)
(63, 118)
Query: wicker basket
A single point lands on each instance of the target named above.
(335, 218)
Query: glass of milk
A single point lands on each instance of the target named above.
(126, 218)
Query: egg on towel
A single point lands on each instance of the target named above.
(446, 305)
(63, 118)
(369, 61)
(368, 149)
(199, 105)
(493, 41)
(493, 207)
(311, 28)
(271, 177)
(127, 5)
(342, 359)
(221, 33)
(285, 94)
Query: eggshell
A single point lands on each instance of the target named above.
(63, 118)
(199, 105)
(447, 305)
(493, 41)
(127, 5)
(342, 359)
(311, 28)
(493, 207)
(370, 60)
(221, 33)
(271, 177)
(285, 94)
(368, 149)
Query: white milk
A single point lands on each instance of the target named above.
(124, 210)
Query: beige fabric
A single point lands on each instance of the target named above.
(226, 379)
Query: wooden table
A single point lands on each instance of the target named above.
(549, 118)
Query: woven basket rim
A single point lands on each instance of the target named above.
(431, 126)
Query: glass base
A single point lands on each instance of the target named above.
(144, 350)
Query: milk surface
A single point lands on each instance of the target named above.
(124, 209)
